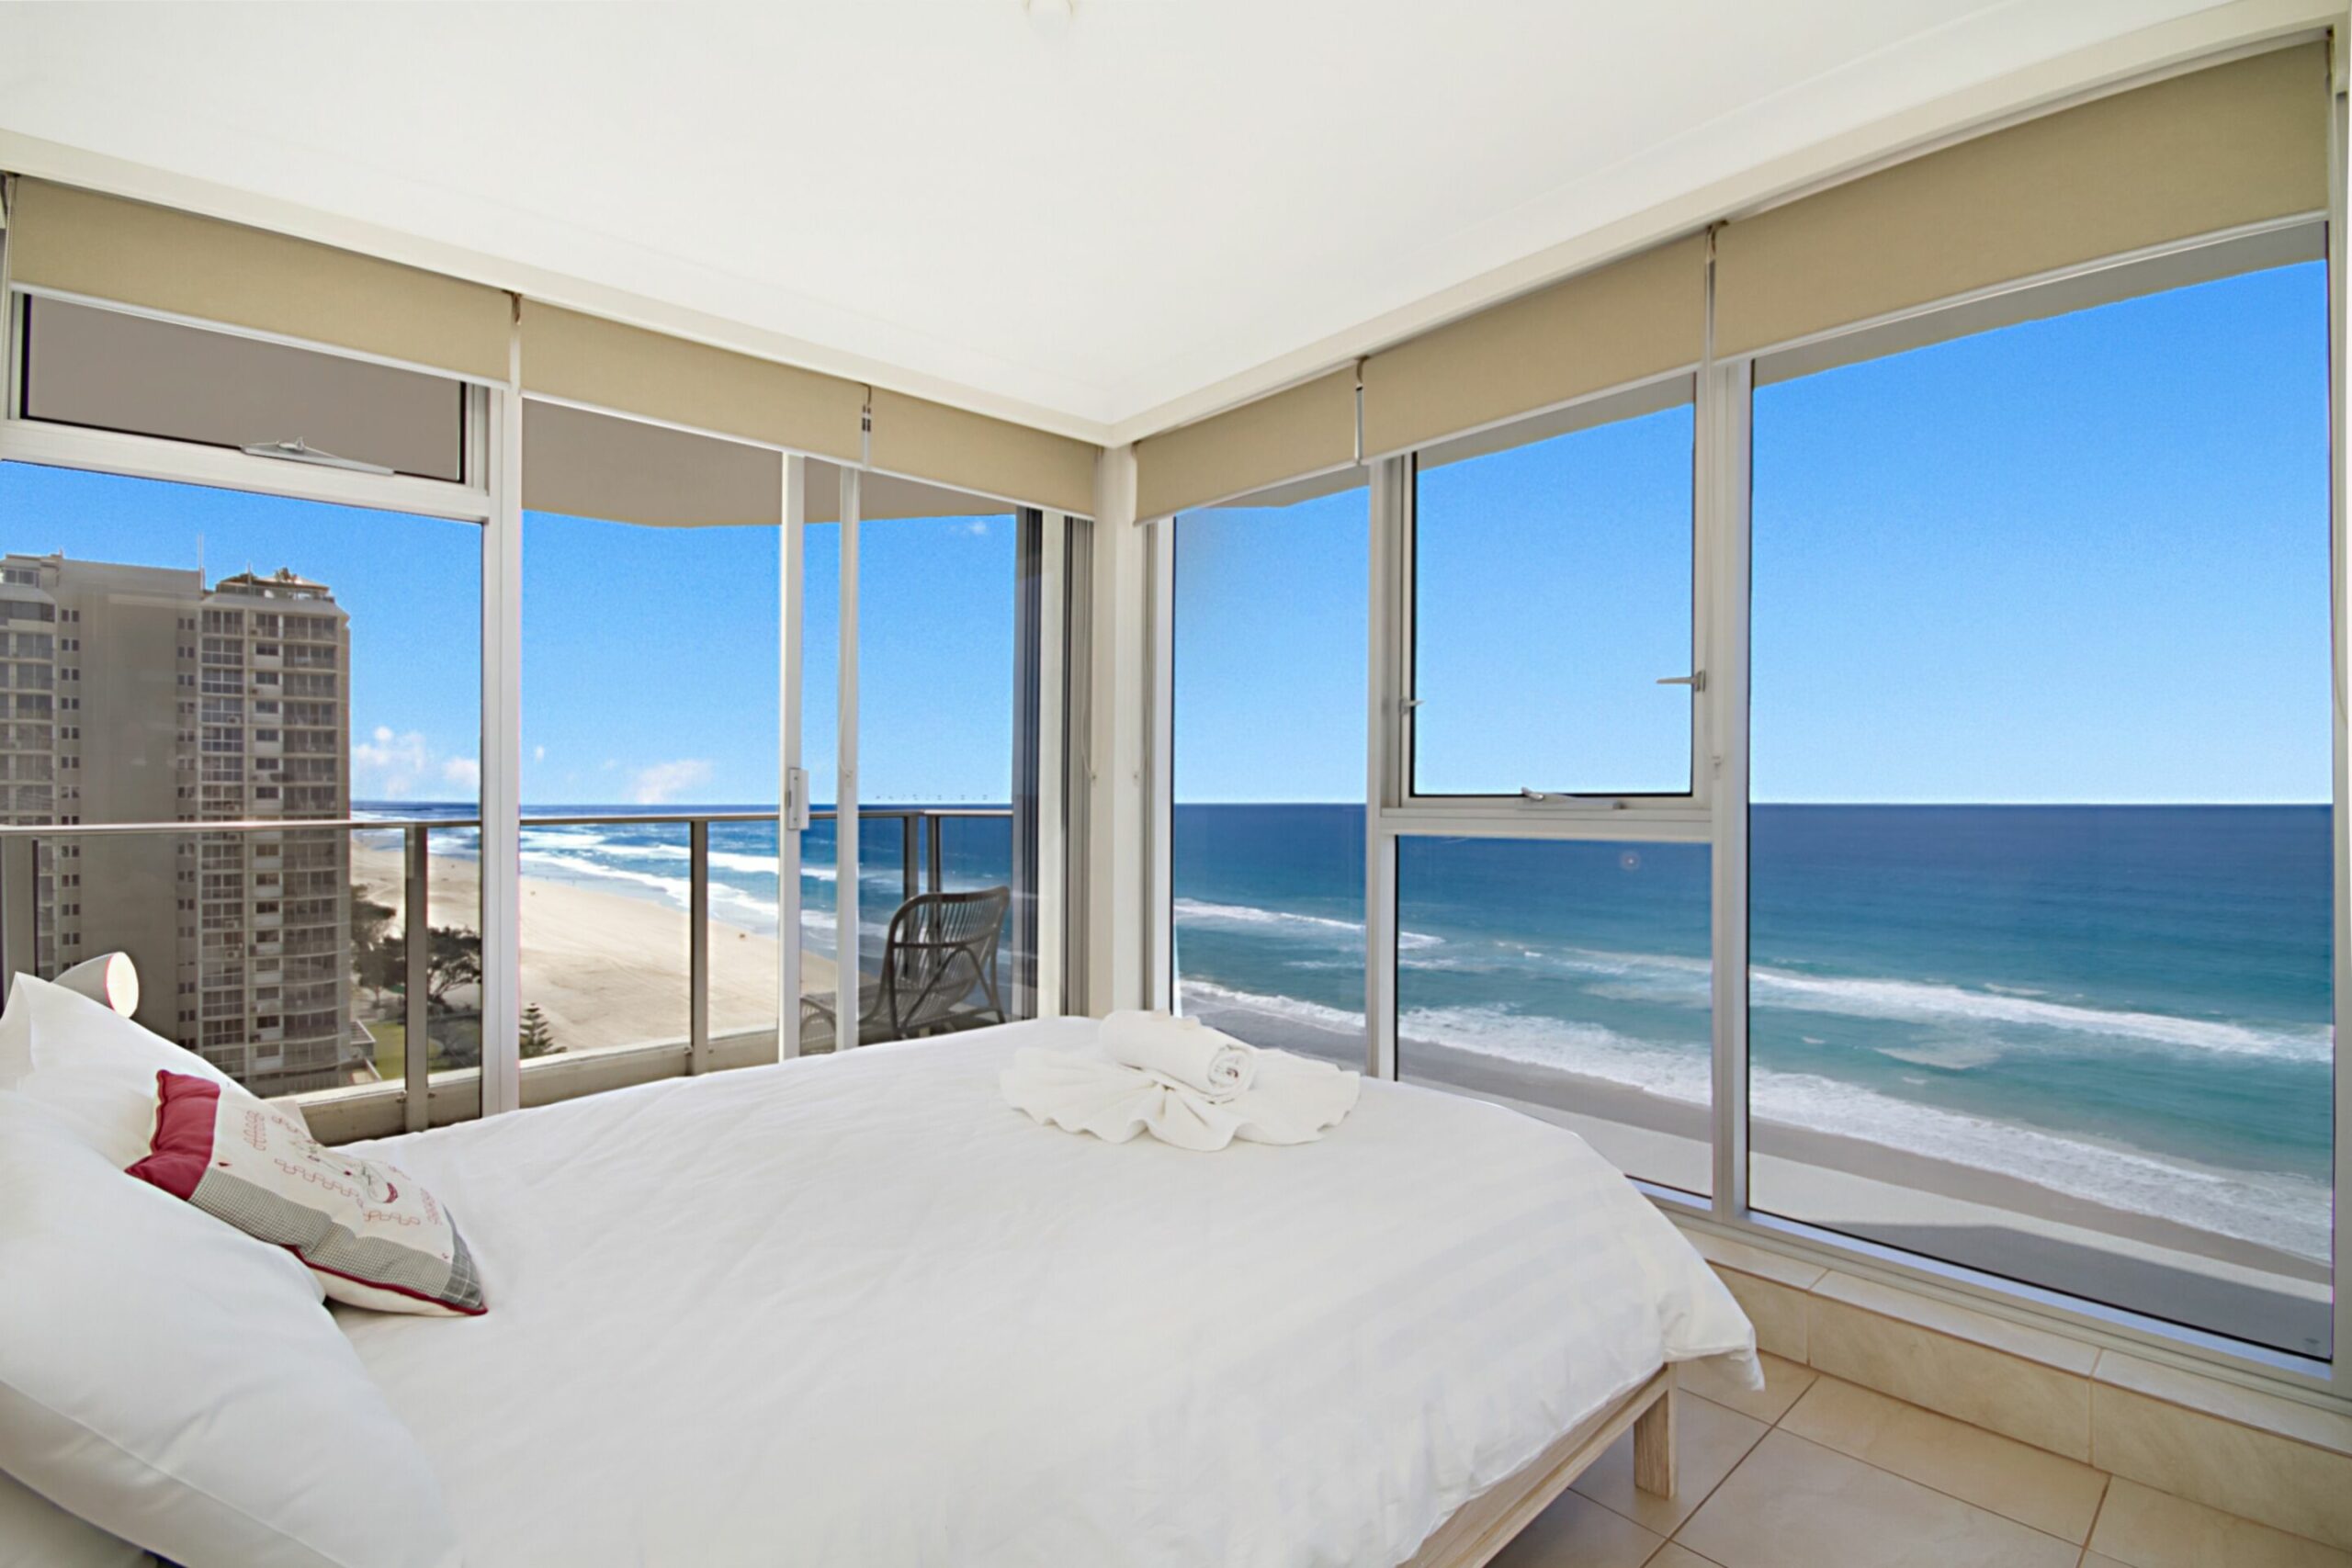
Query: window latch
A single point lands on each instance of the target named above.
(1696, 680)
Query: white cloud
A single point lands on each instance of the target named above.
(387, 764)
(977, 528)
(392, 764)
(538, 753)
(659, 783)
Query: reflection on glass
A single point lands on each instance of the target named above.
(1551, 595)
(1570, 979)
(170, 653)
(1267, 840)
(2042, 863)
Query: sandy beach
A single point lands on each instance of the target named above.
(1983, 1219)
(606, 968)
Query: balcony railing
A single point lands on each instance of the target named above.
(423, 1096)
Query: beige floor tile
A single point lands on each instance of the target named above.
(1675, 1555)
(1783, 1381)
(2286, 1484)
(1576, 1532)
(1708, 1441)
(2143, 1528)
(2024, 1484)
(2018, 1398)
(1792, 1504)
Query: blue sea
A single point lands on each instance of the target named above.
(649, 861)
(2131, 1005)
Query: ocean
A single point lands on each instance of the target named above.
(2131, 1005)
(649, 861)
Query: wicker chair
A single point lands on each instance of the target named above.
(940, 946)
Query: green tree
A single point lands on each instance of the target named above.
(538, 1034)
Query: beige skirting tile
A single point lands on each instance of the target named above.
(2257, 1475)
(2030, 1485)
(2028, 1399)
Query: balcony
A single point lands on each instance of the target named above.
(632, 976)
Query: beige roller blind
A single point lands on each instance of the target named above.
(1309, 429)
(2217, 149)
(1624, 323)
(154, 258)
(989, 456)
(883, 498)
(624, 470)
(585, 359)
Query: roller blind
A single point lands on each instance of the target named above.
(2235, 144)
(989, 456)
(1624, 323)
(585, 359)
(1309, 429)
(77, 242)
(884, 497)
(624, 470)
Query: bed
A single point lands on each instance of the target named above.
(858, 1310)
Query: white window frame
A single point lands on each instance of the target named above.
(1718, 815)
(1669, 817)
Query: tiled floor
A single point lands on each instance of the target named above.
(1813, 1471)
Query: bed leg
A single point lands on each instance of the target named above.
(1654, 1448)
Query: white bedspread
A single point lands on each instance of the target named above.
(860, 1311)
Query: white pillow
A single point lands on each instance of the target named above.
(178, 1383)
(37, 1533)
(93, 1067)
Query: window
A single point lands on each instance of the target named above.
(1552, 578)
(110, 371)
(1570, 979)
(940, 671)
(649, 690)
(2041, 880)
(1267, 852)
(124, 559)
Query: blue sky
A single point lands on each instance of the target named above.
(2075, 559)
(649, 654)
(2082, 559)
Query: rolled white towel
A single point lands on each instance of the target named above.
(1183, 1050)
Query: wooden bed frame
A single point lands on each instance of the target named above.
(1486, 1524)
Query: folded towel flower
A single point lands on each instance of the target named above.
(1290, 1099)
(1182, 1049)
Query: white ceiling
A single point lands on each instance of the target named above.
(1086, 223)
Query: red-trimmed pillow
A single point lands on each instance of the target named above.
(374, 1237)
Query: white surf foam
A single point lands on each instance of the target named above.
(2269, 1208)
(1286, 922)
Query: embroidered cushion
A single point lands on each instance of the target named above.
(375, 1237)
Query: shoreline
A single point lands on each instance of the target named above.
(1987, 1219)
(607, 968)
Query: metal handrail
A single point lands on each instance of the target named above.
(920, 861)
(280, 824)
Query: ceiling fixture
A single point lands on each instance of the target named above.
(1050, 17)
